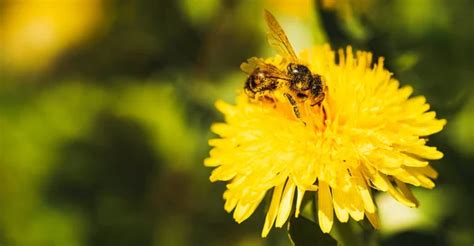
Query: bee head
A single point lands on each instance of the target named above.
(297, 69)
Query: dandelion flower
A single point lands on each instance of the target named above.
(368, 133)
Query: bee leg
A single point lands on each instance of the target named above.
(268, 99)
(293, 104)
(296, 110)
(317, 101)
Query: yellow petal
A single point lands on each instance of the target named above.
(407, 176)
(399, 196)
(365, 194)
(230, 202)
(406, 192)
(224, 107)
(210, 162)
(220, 128)
(379, 182)
(356, 208)
(299, 199)
(273, 210)
(325, 211)
(339, 205)
(373, 219)
(413, 162)
(426, 152)
(222, 173)
(428, 171)
(285, 204)
(240, 211)
(425, 182)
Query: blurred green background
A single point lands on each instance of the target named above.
(105, 108)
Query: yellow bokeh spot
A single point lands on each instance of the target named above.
(34, 32)
(299, 8)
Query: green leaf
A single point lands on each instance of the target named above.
(305, 232)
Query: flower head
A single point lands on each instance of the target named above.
(366, 134)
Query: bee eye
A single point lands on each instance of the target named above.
(303, 69)
(292, 68)
(253, 84)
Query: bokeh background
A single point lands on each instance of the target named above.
(105, 108)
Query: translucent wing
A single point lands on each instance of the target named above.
(277, 37)
(270, 70)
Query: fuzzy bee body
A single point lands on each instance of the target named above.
(259, 82)
(297, 83)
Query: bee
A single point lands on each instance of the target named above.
(297, 83)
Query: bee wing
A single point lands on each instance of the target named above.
(277, 37)
(254, 63)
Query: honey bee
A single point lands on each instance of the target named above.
(297, 83)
